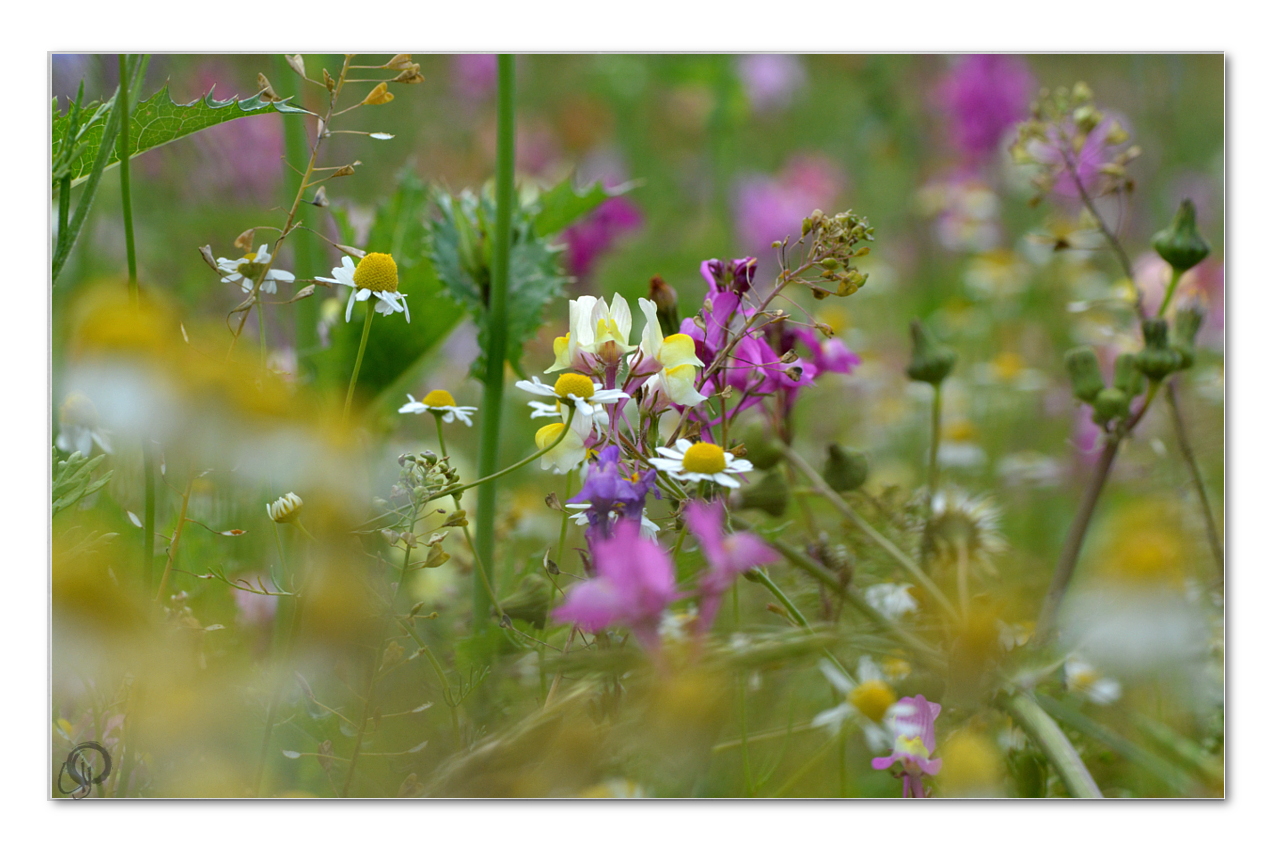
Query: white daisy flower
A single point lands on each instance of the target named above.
(701, 461)
(440, 403)
(891, 600)
(375, 275)
(1083, 678)
(866, 701)
(245, 271)
(284, 510)
(587, 399)
(78, 426)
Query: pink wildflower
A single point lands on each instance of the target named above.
(911, 722)
(983, 95)
(727, 556)
(635, 581)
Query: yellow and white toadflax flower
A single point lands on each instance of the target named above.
(565, 456)
(245, 271)
(673, 360)
(375, 275)
(578, 400)
(701, 461)
(284, 510)
(598, 334)
(441, 404)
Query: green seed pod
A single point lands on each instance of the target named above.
(1128, 378)
(769, 494)
(763, 448)
(845, 470)
(1157, 359)
(1086, 375)
(1181, 244)
(664, 297)
(930, 362)
(529, 600)
(1110, 403)
(1186, 325)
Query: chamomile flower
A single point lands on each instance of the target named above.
(647, 527)
(284, 510)
(891, 600)
(586, 401)
(1082, 678)
(866, 700)
(245, 271)
(375, 275)
(79, 427)
(701, 461)
(441, 404)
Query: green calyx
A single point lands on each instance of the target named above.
(845, 470)
(930, 361)
(1086, 375)
(1180, 244)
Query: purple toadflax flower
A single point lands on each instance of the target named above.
(983, 95)
(910, 720)
(635, 581)
(611, 494)
(727, 556)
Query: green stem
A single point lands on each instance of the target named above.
(177, 539)
(1169, 291)
(282, 654)
(446, 690)
(1202, 493)
(148, 512)
(307, 255)
(491, 415)
(457, 503)
(762, 578)
(843, 507)
(935, 439)
(1041, 728)
(355, 372)
(125, 199)
(462, 487)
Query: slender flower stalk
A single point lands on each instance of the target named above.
(491, 412)
(355, 371)
(1041, 728)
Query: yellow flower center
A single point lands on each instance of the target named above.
(704, 458)
(576, 384)
(872, 698)
(547, 435)
(438, 399)
(377, 272)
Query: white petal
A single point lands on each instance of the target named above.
(671, 454)
(838, 679)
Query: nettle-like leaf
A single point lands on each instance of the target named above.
(563, 204)
(462, 251)
(154, 122)
(396, 347)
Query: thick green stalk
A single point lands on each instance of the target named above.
(1041, 728)
(491, 413)
(125, 198)
(1202, 492)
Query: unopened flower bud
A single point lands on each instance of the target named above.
(1186, 325)
(1086, 375)
(763, 449)
(284, 510)
(1157, 359)
(1181, 244)
(930, 362)
(664, 296)
(1128, 379)
(845, 470)
(769, 494)
(1110, 403)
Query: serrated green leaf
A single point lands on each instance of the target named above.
(461, 252)
(561, 205)
(156, 121)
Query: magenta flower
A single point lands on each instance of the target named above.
(727, 556)
(910, 720)
(770, 79)
(983, 95)
(635, 581)
(475, 75)
(587, 240)
(772, 207)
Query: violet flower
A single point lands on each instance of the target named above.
(610, 493)
(771, 80)
(772, 207)
(475, 75)
(587, 240)
(635, 581)
(727, 556)
(983, 95)
(911, 722)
